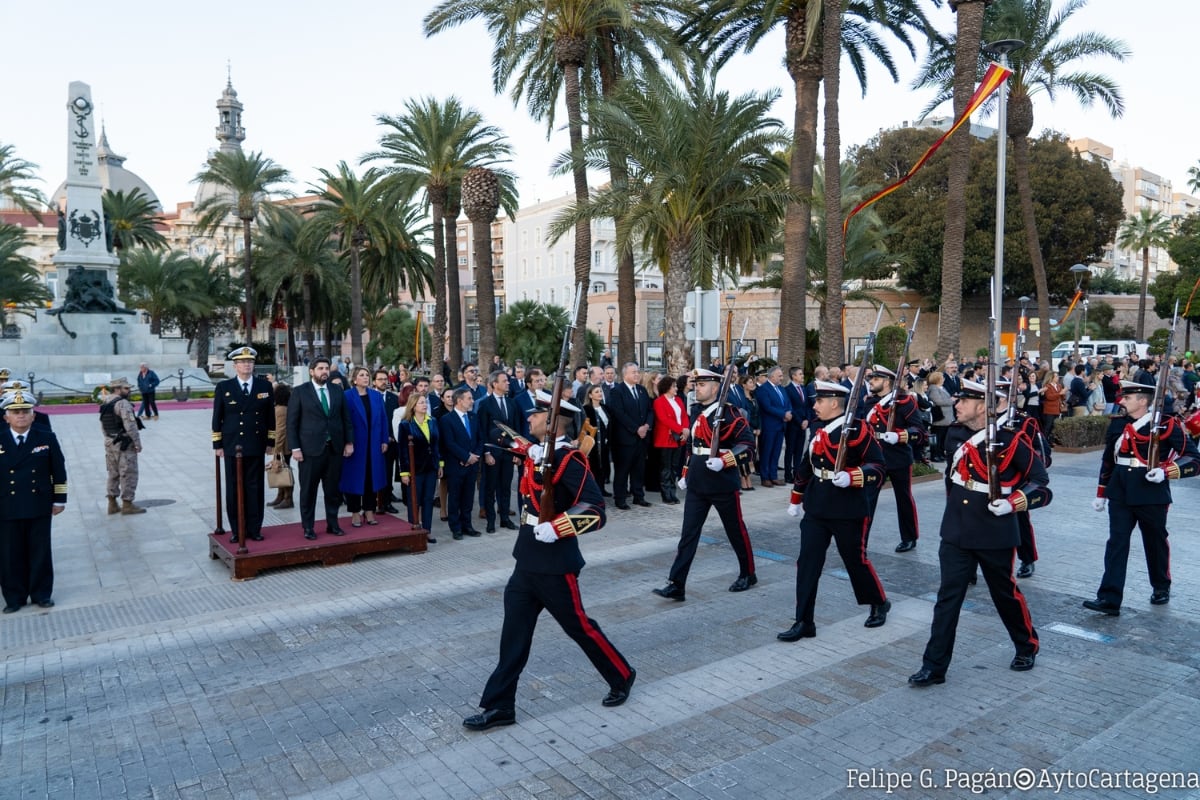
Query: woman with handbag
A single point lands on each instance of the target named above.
(671, 428)
(420, 460)
(281, 453)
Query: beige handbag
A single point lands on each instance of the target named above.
(279, 474)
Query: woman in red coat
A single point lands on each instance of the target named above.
(671, 428)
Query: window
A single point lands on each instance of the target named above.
(462, 261)
(524, 267)
(551, 295)
(553, 265)
(462, 245)
(537, 266)
(595, 259)
(537, 235)
(537, 295)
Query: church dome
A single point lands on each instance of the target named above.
(113, 176)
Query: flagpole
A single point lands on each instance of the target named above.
(1000, 49)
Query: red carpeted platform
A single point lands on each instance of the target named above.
(285, 545)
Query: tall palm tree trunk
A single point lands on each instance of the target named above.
(356, 307)
(676, 284)
(966, 59)
(481, 201)
(247, 281)
(831, 315)
(569, 55)
(203, 329)
(1141, 326)
(454, 330)
(437, 203)
(309, 337)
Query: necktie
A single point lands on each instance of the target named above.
(324, 401)
(246, 389)
(503, 409)
(466, 424)
(20, 439)
(633, 390)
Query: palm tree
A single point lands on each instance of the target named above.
(211, 282)
(1194, 178)
(14, 173)
(1147, 229)
(164, 284)
(706, 190)
(358, 212)
(1042, 64)
(430, 147)
(243, 182)
(481, 201)
(22, 287)
(134, 219)
(405, 264)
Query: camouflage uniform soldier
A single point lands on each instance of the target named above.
(121, 446)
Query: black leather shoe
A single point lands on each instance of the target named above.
(642, 503)
(878, 615)
(904, 547)
(801, 630)
(1104, 608)
(46, 604)
(310, 534)
(1160, 597)
(671, 591)
(491, 528)
(11, 609)
(623, 506)
(472, 532)
(1025, 570)
(743, 583)
(457, 536)
(390, 509)
(492, 718)
(255, 537)
(616, 697)
(925, 677)
(335, 530)
(233, 539)
(974, 579)
(430, 540)
(1023, 663)
(507, 523)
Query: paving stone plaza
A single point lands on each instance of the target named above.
(157, 676)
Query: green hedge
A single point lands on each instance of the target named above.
(1081, 431)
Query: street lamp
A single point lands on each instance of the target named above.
(1022, 323)
(1079, 270)
(730, 302)
(612, 310)
(904, 314)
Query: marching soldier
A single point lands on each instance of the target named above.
(981, 533)
(898, 429)
(836, 506)
(547, 574)
(244, 414)
(122, 443)
(1137, 494)
(712, 478)
(32, 461)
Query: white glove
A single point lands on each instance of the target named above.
(681, 483)
(1156, 475)
(891, 437)
(535, 452)
(1000, 507)
(841, 479)
(794, 509)
(544, 532)
(716, 464)
(1098, 503)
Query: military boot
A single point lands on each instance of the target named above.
(127, 507)
(113, 508)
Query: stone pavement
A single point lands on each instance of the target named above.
(158, 676)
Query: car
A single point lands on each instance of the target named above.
(1117, 349)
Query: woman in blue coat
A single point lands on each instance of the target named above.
(364, 472)
(420, 469)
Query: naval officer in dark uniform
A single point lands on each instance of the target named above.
(983, 534)
(1138, 495)
(712, 479)
(836, 506)
(547, 574)
(244, 414)
(33, 463)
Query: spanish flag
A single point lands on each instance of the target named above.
(992, 79)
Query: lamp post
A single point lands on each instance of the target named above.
(1022, 324)
(730, 302)
(1079, 270)
(1000, 50)
(904, 315)
(612, 310)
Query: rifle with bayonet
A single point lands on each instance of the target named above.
(546, 510)
(991, 438)
(1158, 408)
(850, 417)
(900, 389)
(731, 372)
(1014, 379)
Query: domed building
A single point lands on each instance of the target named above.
(113, 176)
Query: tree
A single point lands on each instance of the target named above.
(405, 264)
(164, 284)
(15, 173)
(198, 323)
(1042, 64)
(1184, 248)
(1194, 177)
(429, 147)
(706, 189)
(394, 339)
(533, 332)
(22, 287)
(243, 182)
(481, 201)
(1141, 232)
(134, 218)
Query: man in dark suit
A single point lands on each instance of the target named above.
(775, 412)
(494, 410)
(462, 449)
(391, 403)
(797, 426)
(516, 381)
(244, 415)
(528, 399)
(631, 419)
(320, 435)
(33, 461)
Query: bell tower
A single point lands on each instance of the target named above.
(230, 132)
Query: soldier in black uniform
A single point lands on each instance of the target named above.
(712, 480)
(836, 506)
(33, 463)
(898, 429)
(1137, 494)
(244, 414)
(547, 576)
(1016, 419)
(978, 533)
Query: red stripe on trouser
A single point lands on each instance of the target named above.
(593, 634)
(862, 549)
(1020, 598)
(737, 506)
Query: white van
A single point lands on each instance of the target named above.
(1117, 349)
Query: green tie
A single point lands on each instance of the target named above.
(324, 401)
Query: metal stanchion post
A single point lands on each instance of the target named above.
(241, 505)
(220, 529)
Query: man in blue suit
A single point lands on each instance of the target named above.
(535, 382)
(462, 449)
(775, 413)
(494, 410)
(801, 408)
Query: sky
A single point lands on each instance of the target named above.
(313, 76)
